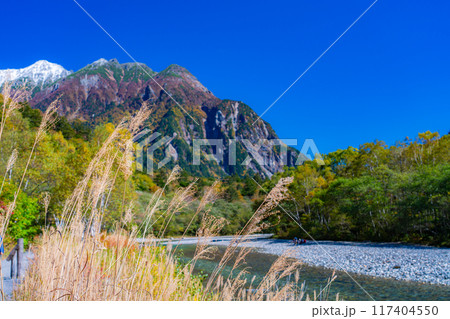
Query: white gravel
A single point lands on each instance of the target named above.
(402, 262)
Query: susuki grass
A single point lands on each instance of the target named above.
(74, 261)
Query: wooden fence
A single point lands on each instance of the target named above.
(16, 251)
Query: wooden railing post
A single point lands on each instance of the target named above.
(19, 257)
(13, 269)
(17, 250)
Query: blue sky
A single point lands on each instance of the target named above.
(387, 78)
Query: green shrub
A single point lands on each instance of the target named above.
(24, 222)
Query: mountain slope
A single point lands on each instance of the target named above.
(183, 111)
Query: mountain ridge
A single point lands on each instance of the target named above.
(184, 109)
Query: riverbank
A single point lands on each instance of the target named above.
(388, 260)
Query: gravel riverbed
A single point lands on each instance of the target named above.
(389, 260)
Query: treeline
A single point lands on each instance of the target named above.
(376, 193)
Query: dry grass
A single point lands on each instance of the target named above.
(76, 268)
(76, 262)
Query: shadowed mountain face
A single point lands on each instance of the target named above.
(105, 91)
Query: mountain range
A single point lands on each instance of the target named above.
(183, 110)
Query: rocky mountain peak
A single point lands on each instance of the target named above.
(178, 73)
(114, 64)
(99, 62)
(174, 70)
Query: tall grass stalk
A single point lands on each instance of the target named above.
(9, 166)
(11, 98)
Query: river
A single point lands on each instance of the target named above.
(315, 278)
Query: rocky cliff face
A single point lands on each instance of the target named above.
(184, 111)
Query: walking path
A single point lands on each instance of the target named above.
(8, 282)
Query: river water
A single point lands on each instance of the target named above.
(315, 278)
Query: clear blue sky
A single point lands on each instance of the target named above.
(387, 78)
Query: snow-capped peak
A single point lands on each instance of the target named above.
(39, 73)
